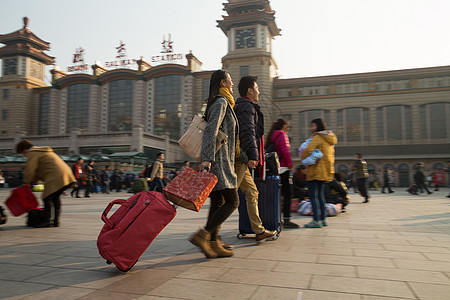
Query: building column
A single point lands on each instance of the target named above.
(73, 143)
(373, 126)
(170, 157)
(137, 143)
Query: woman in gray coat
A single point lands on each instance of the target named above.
(224, 197)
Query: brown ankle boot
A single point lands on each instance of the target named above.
(217, 247)
(202, 240)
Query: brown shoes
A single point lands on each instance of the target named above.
(202, 240)
(265, 235)
(217, 247)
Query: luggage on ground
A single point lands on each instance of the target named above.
(128, 232)
(332, 210)
(268, 204)
(139, 185)
(190, 189)
(35, 217)
(21, 200)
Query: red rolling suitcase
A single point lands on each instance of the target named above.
(131, 229)
(22, 200)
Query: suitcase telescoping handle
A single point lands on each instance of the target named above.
(122, 202)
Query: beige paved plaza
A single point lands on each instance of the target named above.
(396, 247)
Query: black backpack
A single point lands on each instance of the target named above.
(148, 171)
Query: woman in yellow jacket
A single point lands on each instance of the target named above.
(45, 165)
(320, 173)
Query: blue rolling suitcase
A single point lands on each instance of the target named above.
(268, 204)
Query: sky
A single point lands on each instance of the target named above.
(319, 37)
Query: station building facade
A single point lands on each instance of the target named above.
(394, 118)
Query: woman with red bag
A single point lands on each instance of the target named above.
(44, 164)
(224, 197)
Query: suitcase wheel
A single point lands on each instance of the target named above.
(276, 236)
(240, 235)
(108, 262)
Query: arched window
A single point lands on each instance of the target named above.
(305, 117)
(120, 105)
(403, 175)
(78, 107)
(167, 116)
(371, 168)
(389, 166)
(353, 124)
(434, 120)
(394, 123)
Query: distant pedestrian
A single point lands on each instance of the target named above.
(419, 177)
(104, 180)
(79, 171)
(387, 178)
(44, 164)
(278, 136)
(320, 173)
(362, 174)
(90, 178)
(185, 165)
(156, 177)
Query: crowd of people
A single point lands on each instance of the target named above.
(234, 164)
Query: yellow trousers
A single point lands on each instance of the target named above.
(247, 185)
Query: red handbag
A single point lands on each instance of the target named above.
(190, 189)
(22, 200)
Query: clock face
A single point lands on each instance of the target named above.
(245, 38)
(10, 66)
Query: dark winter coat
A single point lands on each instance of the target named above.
(419, 177)
(90, 172)
(251, 127)
(221, 116)
(361, 169)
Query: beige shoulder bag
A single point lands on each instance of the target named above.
(191, 141)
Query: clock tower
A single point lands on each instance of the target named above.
(250, 27)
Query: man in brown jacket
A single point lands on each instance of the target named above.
(45, 165)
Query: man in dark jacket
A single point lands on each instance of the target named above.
(387, 178)
(251, 130)
(420, 178)
(361, 174)
(90, 178)
(80, 174)
(104, 179)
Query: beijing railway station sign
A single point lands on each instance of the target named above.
(122, 61)
(166, 55)
(78, 60)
